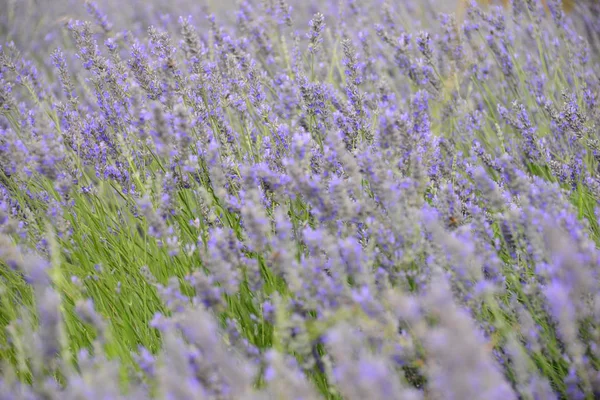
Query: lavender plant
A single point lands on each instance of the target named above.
(299, 200)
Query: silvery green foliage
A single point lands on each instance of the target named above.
(335, 199)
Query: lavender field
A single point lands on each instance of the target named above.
(286, 199)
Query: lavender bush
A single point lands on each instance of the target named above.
(299, 200)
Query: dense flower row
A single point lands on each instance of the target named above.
(358, 200)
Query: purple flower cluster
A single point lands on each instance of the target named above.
(299, 200)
